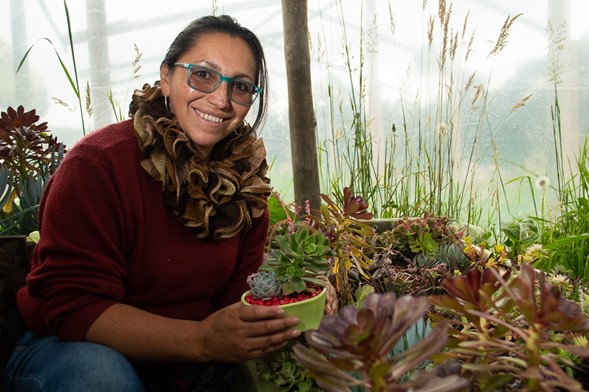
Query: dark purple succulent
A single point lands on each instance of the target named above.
(29, 154)
(512, 328)
(27, 148)
(354, 346)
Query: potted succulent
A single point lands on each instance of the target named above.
(293, 276)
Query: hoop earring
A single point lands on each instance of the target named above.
(167, 106)
(245, 129)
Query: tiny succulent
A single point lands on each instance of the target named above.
(298, 262)
(264, 285)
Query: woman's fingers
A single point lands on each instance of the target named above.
(240, 332)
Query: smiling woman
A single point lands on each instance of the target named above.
(210, 112)
(150, 270)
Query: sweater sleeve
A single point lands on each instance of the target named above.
(249, 258)
(78, 268)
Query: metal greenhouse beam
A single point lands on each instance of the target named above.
(301, 115)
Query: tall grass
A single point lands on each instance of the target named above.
(567, 236)
(561, 227)
(72, 79)
(430, 158)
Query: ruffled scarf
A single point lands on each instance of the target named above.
(215, 198)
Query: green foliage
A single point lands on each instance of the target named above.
(299, 260)
(566, 237)
(453, 257)
(353, 347)
(278, 211)
(412, 236)
(347, 228)
(521, 234)
(282, 369)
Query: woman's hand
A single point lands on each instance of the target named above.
(239, 332)
(234, 333)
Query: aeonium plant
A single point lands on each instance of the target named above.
(29, 154)
(512, 327)
(354, 349)
(295, 269)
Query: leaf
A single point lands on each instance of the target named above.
(63, 67)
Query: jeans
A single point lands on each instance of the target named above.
(46, 364)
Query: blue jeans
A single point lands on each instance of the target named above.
(44, 364)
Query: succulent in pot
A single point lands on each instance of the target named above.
(293, 274)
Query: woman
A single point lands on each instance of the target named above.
(149, 229)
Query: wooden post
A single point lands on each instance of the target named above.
(301, 114)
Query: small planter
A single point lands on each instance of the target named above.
(310, 311)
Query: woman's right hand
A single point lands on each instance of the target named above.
(239, 332)
(232, 334)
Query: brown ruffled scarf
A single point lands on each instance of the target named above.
(215, 198)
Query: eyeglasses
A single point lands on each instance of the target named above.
(206, 80)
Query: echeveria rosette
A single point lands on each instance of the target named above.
(352, 347)
(264, 285)
(300, 261)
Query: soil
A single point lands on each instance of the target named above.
(289, 299)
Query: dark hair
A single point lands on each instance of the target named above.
(223, 24)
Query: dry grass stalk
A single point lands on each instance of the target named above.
(136, 64)
(503, 34)
(556, 39)
(465, 25)
(453, 46)
(480, 89)
(469, 81)
(430, 31)
(89, 107)
(521, 103)
(469, 47)
(392, 23)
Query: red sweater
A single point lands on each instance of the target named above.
(107, 238)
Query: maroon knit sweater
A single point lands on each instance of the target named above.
(107, 238)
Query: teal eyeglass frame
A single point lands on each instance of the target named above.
(257, 90)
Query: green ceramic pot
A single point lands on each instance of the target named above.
(310, 311)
